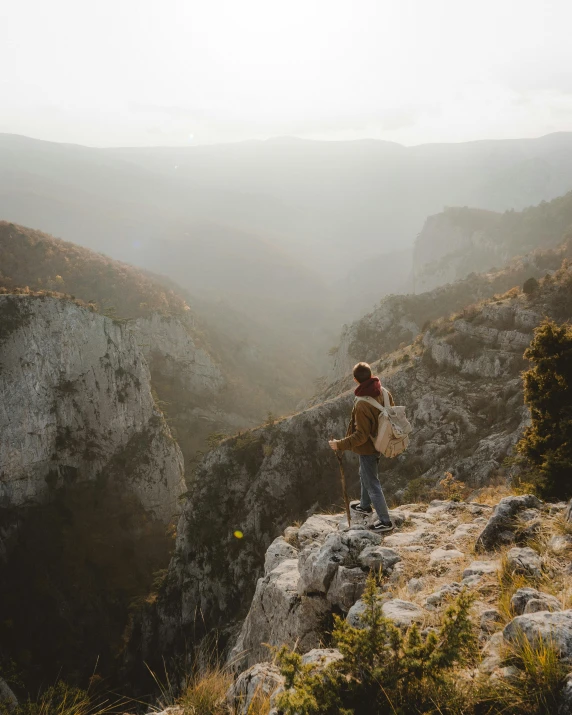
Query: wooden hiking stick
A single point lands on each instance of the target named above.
(344, 490)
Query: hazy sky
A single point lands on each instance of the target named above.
(146, 72)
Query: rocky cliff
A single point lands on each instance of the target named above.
(462, 388)
(460, 241)
(398, 319)
(511, 557)
(90, 479)
(77, 405)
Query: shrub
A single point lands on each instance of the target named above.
(382, 670)
(547, 443)
(530, 286)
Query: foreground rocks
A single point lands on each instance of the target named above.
(296, 600)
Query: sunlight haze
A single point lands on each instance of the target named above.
(174, 73)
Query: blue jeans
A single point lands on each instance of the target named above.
(371, 492)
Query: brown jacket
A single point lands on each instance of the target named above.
(363, 426)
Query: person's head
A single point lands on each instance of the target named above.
(362, 372)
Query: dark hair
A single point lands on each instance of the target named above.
(362, 372)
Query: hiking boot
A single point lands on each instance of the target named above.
(380, 528)
(360, 510)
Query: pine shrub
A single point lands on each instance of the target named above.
(547, 443)
(382, 669)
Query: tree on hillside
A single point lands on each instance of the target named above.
(547, 443)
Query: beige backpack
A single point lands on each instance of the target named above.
(394, 428)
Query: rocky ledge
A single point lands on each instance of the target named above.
(514, 557)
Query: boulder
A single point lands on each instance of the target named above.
(490, 620)
(479, 568)
(446, 592)
(402, 613)
(378, 558)
(521, 599)
(259, 681)
(278, 551)
(346, 587)
(524, 560)
(355, 614)
(407, 538)
(279, 615)
(321, 657)
(442, 556)
(560, 543)
(466, 531)
(316, 528)
(501, 524)
(547, 627)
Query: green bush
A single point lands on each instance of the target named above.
(547, 443)
(382, 670)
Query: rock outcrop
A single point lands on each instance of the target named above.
(398, 319)
(538, 617)
(76, 405)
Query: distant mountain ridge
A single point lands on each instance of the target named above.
(329, 205)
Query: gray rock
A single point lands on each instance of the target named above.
(318, 564)
(524, 560)
(378, 557)
(529, 514)
(444, 593)
(355, 614)
(521, 598)
(471, 581)
(440, 557)
(502, 520)
(259, 681)
(321, 657)
(560, 543)
(279, 615)
(479, 568)
(535, 605)
(415, 585)
(492, 653)
(490, 620)
(7, 697)
(568, 512)
(402, 613)
(278, 551)
(316, 528)
(549, 627)
(346, 587)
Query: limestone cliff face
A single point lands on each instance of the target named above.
(173, 353)
(76, 405)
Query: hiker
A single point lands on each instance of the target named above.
(359, 439)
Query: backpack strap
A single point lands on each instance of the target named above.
(373, 402)
(386, 400)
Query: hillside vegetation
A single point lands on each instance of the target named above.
(41, 262)
(461, 240)
(398, 319)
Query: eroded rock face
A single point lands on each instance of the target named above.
(76, 405)
(279, 615)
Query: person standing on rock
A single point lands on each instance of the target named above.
(359, 439)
